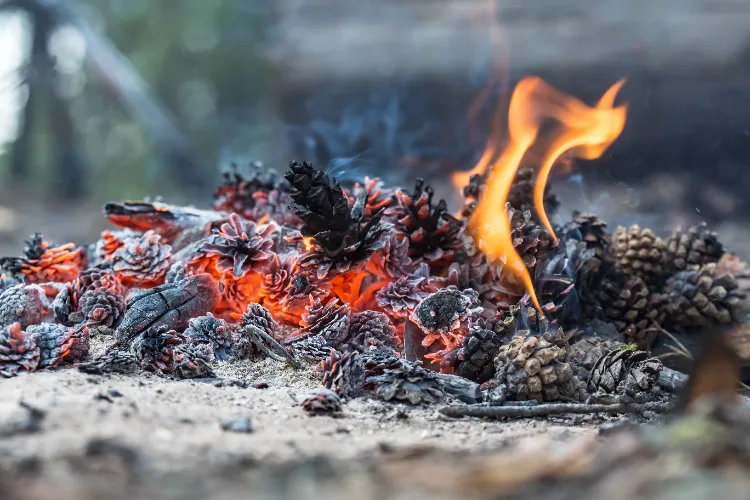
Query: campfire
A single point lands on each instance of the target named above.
(380, 289)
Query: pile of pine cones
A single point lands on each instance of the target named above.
(303, 269)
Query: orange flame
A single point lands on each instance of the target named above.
(586, 132)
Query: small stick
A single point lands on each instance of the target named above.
(542, 410)
(258, 336)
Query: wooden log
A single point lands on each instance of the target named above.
(462, 389)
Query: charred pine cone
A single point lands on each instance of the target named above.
(321, 402)
(376, 196)
(302, 286)
(241, 247)
(371, 330)
(585, 353)
(79, 349)
(481, 345)
(521, 194)
(344, 374)
(142, 261)
(54, 341)
(434, 235)
(193, 361)
(277, 279)
(534, 367)
(313, 348)
(21, 304)
(43, 263)
(588, 228)
(394, 379)
(113, 361)
(639, 252)
(400, 297)
(629, 304)
(556, 288)
(531, 240)
(625, 371)
(109, 242)
(331, 320)
(211, 331)
(18, 351)
(260, 317)
(393, 261)
(589, 249)
(255, 324)
(695, 247)
(155, 350)
(342, 237)
(701, 297)
(96, 297)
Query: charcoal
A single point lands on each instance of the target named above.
(445, 309)
(113, 361)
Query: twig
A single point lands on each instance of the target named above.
(543, 410)
(259, 339)
(672, 380)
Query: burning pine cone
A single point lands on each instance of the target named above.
(400, 297)
(321, 402)
(277, 279)
(331, 320)
(434, 235)
(21, 304)
(241, 247)
(393, 261)
(534, 367)
(54, 341)
(481, 345)
(155, 350)
(394, 379)
(376, 196)
(625, 371)
(96, 297)
(635, 312)
(640, 253)
(588, 228)
(41, 263)
(700, 297)
(344, 374)
(695, 247)
(521, 194)
(531, 240)
(18, 351)
(342, 238)
(142, 261)
(211, 331)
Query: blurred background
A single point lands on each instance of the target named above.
(110, 99)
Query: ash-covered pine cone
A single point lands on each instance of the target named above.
(585, 353)
(376, 196)
(260, 317)
(321, 402)
(113, 361)
(104, 301)
(701, 297)
(109, 242)
(535, 367)
(393, 261)
(371, 330)
(639, 252)
(344, 374)
(18, 351)
(481, 345)
(400, 297)
(485, 276)
(142, 261)
(695, 247)
(154, 350)
(241, 246)
(331, 320)
(530, 239)
(625, 371)
(21, 304)
(434, 234)
(242, 191)
(277, 278)
(394, 379)
(313, 348)
(445, 310)
(102, 306)
(212, 331)
(627, 302)
(54, 341)
(303, 285)
(521, 194)
(79, 349)
(193, 361)
(43, 263)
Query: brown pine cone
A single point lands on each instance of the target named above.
(694, 247)
(535, 367)
(344, 374)
(142, 261)
(394, 379)
(313, 348)
(627, 303)
(321, 402)
(370, 330)
(54, 341)
(154, 350)
(521, 194)
(625, 371)
(43, 263)
(434, 234)
(21, 304)
(481, 345)
(241, 246)
(531, 240)
(193, 361)
(701, 297)
(590, 229)
(639, 252)
(211, 331)
(18, 351)
(331, 320)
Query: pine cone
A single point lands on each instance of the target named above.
(330, 320)
(699, 297)
(588, 228)
(21, 304)
(277, 279)
(18, 351)
(472, 191)
(302, 286)
(313, 348)
(211, 331)
(534, 367)
(434, 235)
(241, 247)
(376, 196)
(627, 303)
(193, 361)
(585, 353)
(275, 205)
(155, 350)
(142, 261)
(556, 288)
(695, 247)
(531, 240)
(67, 306)
(625, 371)
(239, 189)
(371, 330)
(481, 345)
(486, 277)
(521, 194)
(344, 374)
(399, 298)
(109, 242)
(102, 306)
(638, 252)
(41, 263)
(79, 349)
(113, 361)
(54, 341)
(260, 317)
(321, 402)
(400, 380)
(393, 261)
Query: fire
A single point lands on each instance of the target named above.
(583, 131)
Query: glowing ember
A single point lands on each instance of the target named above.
(584, 131)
